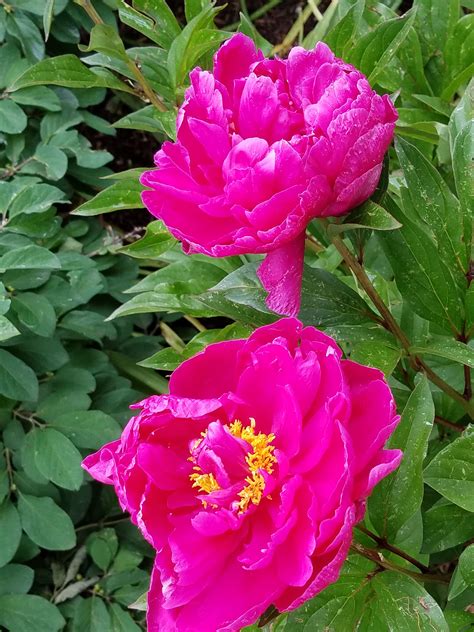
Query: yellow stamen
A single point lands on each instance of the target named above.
(252, 492)
(206, 482)
(260, 458)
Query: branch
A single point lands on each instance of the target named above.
(391, 324)
(382, 542)
(378, 558)
(148, 91)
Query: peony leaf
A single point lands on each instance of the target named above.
(124, 194)
(446, 525)
(451, 472)
(447, 348)
(24, 613)
(45, 523)
(368, 215)
(374, 51)
(364, 600)
(398, 497)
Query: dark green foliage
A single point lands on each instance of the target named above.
(76, 349)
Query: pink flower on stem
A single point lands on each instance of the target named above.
(263, 147)
(249, 476)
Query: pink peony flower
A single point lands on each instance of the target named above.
(263, 147)
(249, 476)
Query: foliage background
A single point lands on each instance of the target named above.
(95, 312)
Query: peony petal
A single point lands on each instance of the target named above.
(281, 275)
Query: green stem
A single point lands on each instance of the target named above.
(382, 542)
(90, 10)
(147, 89)
(391, 324)
(378, 558)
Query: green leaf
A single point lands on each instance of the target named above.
(15, 579)
(38, 198)
(368, 215)
(190, 276)
(53, 159)
(240, 296)
(195, 39)
(399, 496)
(368, 601)
(447, 348)
(376, 354)
(67, 71)
(12, 118)
(55, 457)
(420, 611)
(42, 354)
(154, 243)
(342, 36)
(61, 401)
(35, 312)
(102, 546)
(327, 301)
(175, 288)
(37, 96)
(426, 282)
(143, 378)
(141, 603)
(459, 620)
(10, 528)
(124, 194)
(29, 258)
(451, 472)
(374, 51)
(91, 616)
(105, 39)
(81, 379)
(446, 525)
(7, 330)
(463, 576)
(48, 18)
(435, 21)
(163, 27)
(149, 119)
(156, 29)
(88, 429)
(82, 324)
(436, 208)
(121, 621)
(461, 134)
(28, 35)
(24, 613)
(17, 380)
(46, 524)
(169, 359)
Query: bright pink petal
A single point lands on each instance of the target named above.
(281, 274)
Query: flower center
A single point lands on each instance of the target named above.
(259, 458)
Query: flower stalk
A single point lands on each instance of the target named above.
(391, 324)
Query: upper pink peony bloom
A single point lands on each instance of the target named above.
(249, 476)
(263, 147)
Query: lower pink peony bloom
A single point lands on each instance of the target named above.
(249, 477)
(263, 147)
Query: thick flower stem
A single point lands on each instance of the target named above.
(393, 549)
(147, 90)
(391, 324)
(378, 558)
